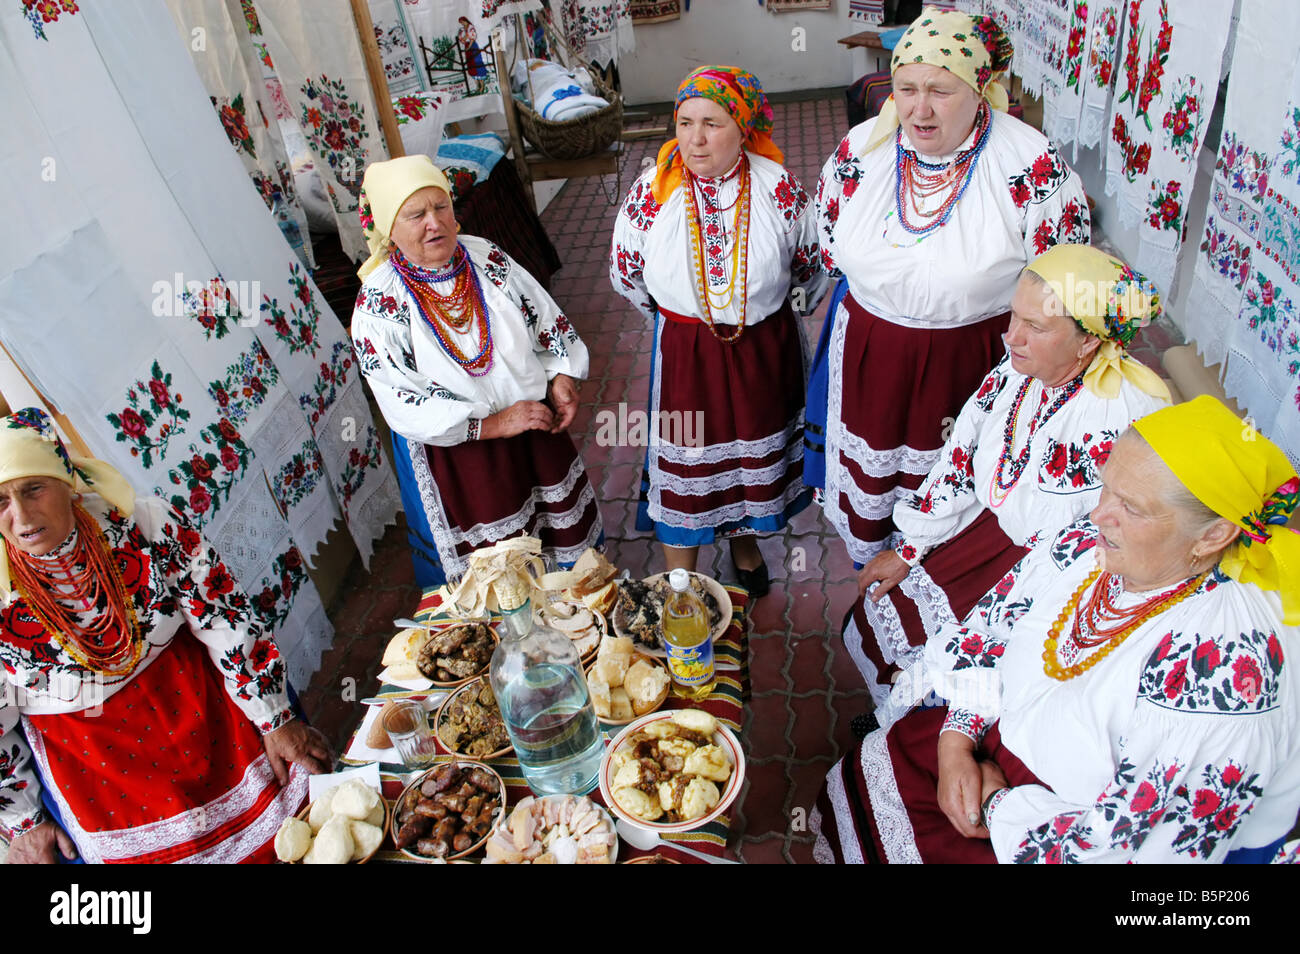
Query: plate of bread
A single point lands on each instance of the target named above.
(625, 683)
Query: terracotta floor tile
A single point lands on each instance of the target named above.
(764, 808)
(810, 658)
(811, 728)
(767, 660)
(768, 614)
(807, 608)
(800, 852)
(768, 725)
(770, 851)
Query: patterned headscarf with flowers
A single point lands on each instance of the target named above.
(31, 447)
(739, 93)
(1108, 299)
(386, 186)
(972, 48)
(1243, 477)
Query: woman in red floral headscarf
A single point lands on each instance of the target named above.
(716, 246)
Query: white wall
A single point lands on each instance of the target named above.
(740, 33)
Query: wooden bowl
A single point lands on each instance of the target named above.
(663, 695)
(419, 780)
(460, 682)
(716, 590)
(444, 708)
(388, 821)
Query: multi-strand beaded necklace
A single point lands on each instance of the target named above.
(918, 181)
(1009, 469)
(739, 252)
(456, 312)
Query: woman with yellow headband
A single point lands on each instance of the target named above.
(1130, 694)
(716, 246)
(926, 213)
(155, 721)
(474, 367)
(1022, 461)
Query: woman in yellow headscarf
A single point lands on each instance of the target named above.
(474, 367)
(1022, 460)
(926, 213)
(144, 714)
(1130, 694)
(716, 246)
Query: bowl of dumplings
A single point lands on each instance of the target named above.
(672, 771)
(345, 825)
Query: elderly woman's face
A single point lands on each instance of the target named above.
(36, 513)
(1042, 340)
(935, 108)
(425, 228)
(708, 137)
(1143, 538)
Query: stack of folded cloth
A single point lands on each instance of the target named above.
(555, 93)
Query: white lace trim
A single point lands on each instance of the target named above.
(887, 808)
(97, 847)
(661, 480)
(822, 853)
(850, 848)
(853, 643)
(495, 530)
(443, 540)
(874, 506)
(930, 599)
(686, 455)
(886, 463)
(728, 513)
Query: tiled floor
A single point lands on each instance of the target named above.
(805, 686)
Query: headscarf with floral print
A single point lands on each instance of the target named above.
(31, 447)
(972, 48)
(386, 186)
(739, 93)
(1243, 477)
(1108, 299)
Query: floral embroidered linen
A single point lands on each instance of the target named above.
(1178, 746)
(174, 579)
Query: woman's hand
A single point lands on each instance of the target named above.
(41, 846)
(563, 393)
(296, 741)
(517, 418)
(960, 784)
(991, 779)
(888, 568)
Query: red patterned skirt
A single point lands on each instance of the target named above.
(881, 804)
(728, 458)
(532, 484)
(886, 637)
(169, 771)
(893, 391)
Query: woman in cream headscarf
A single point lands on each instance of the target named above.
(156, 724)
(1022, 461)
(1128, 694)
(927, 214)
(716, 246)
(474, 367)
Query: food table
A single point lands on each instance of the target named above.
(726, 703)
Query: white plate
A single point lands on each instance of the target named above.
(723, 738)
(716, 589)
(504, 820)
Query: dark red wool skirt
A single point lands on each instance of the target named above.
(731, 419)
(901, 389)
(532, 484)
(170, 770)
(964, 568)
(869, 813)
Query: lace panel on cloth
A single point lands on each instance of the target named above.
(98, 847)
(732, 450)
(930, 599)
(725, 514)
(853, 640)
(452, 565)
(707, 484)
(850, 849)
(895, 827)
(822, 853)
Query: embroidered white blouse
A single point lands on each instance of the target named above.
(423, 393)
(650, 260)
(1180, 745)
(175, 578)
(1022, 199)
(1061, 478)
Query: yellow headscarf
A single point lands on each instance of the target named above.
(30, 447)
(386, 186)
(1242, 476)
(1108, 299)
(972, 48)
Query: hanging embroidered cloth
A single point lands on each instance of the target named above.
(1245, 292)
(1163, 98)
(654, 11)
(796, 6)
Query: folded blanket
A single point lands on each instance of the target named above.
(556, 93)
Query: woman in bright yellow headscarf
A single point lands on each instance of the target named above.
(716, 246)
(1128, 693)
(926, 214)
(1023, 458)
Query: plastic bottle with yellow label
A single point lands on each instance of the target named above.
(687, 639)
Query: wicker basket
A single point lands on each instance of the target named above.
(574, 138)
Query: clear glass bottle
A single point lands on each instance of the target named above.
(688, 639)
(546, 706)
